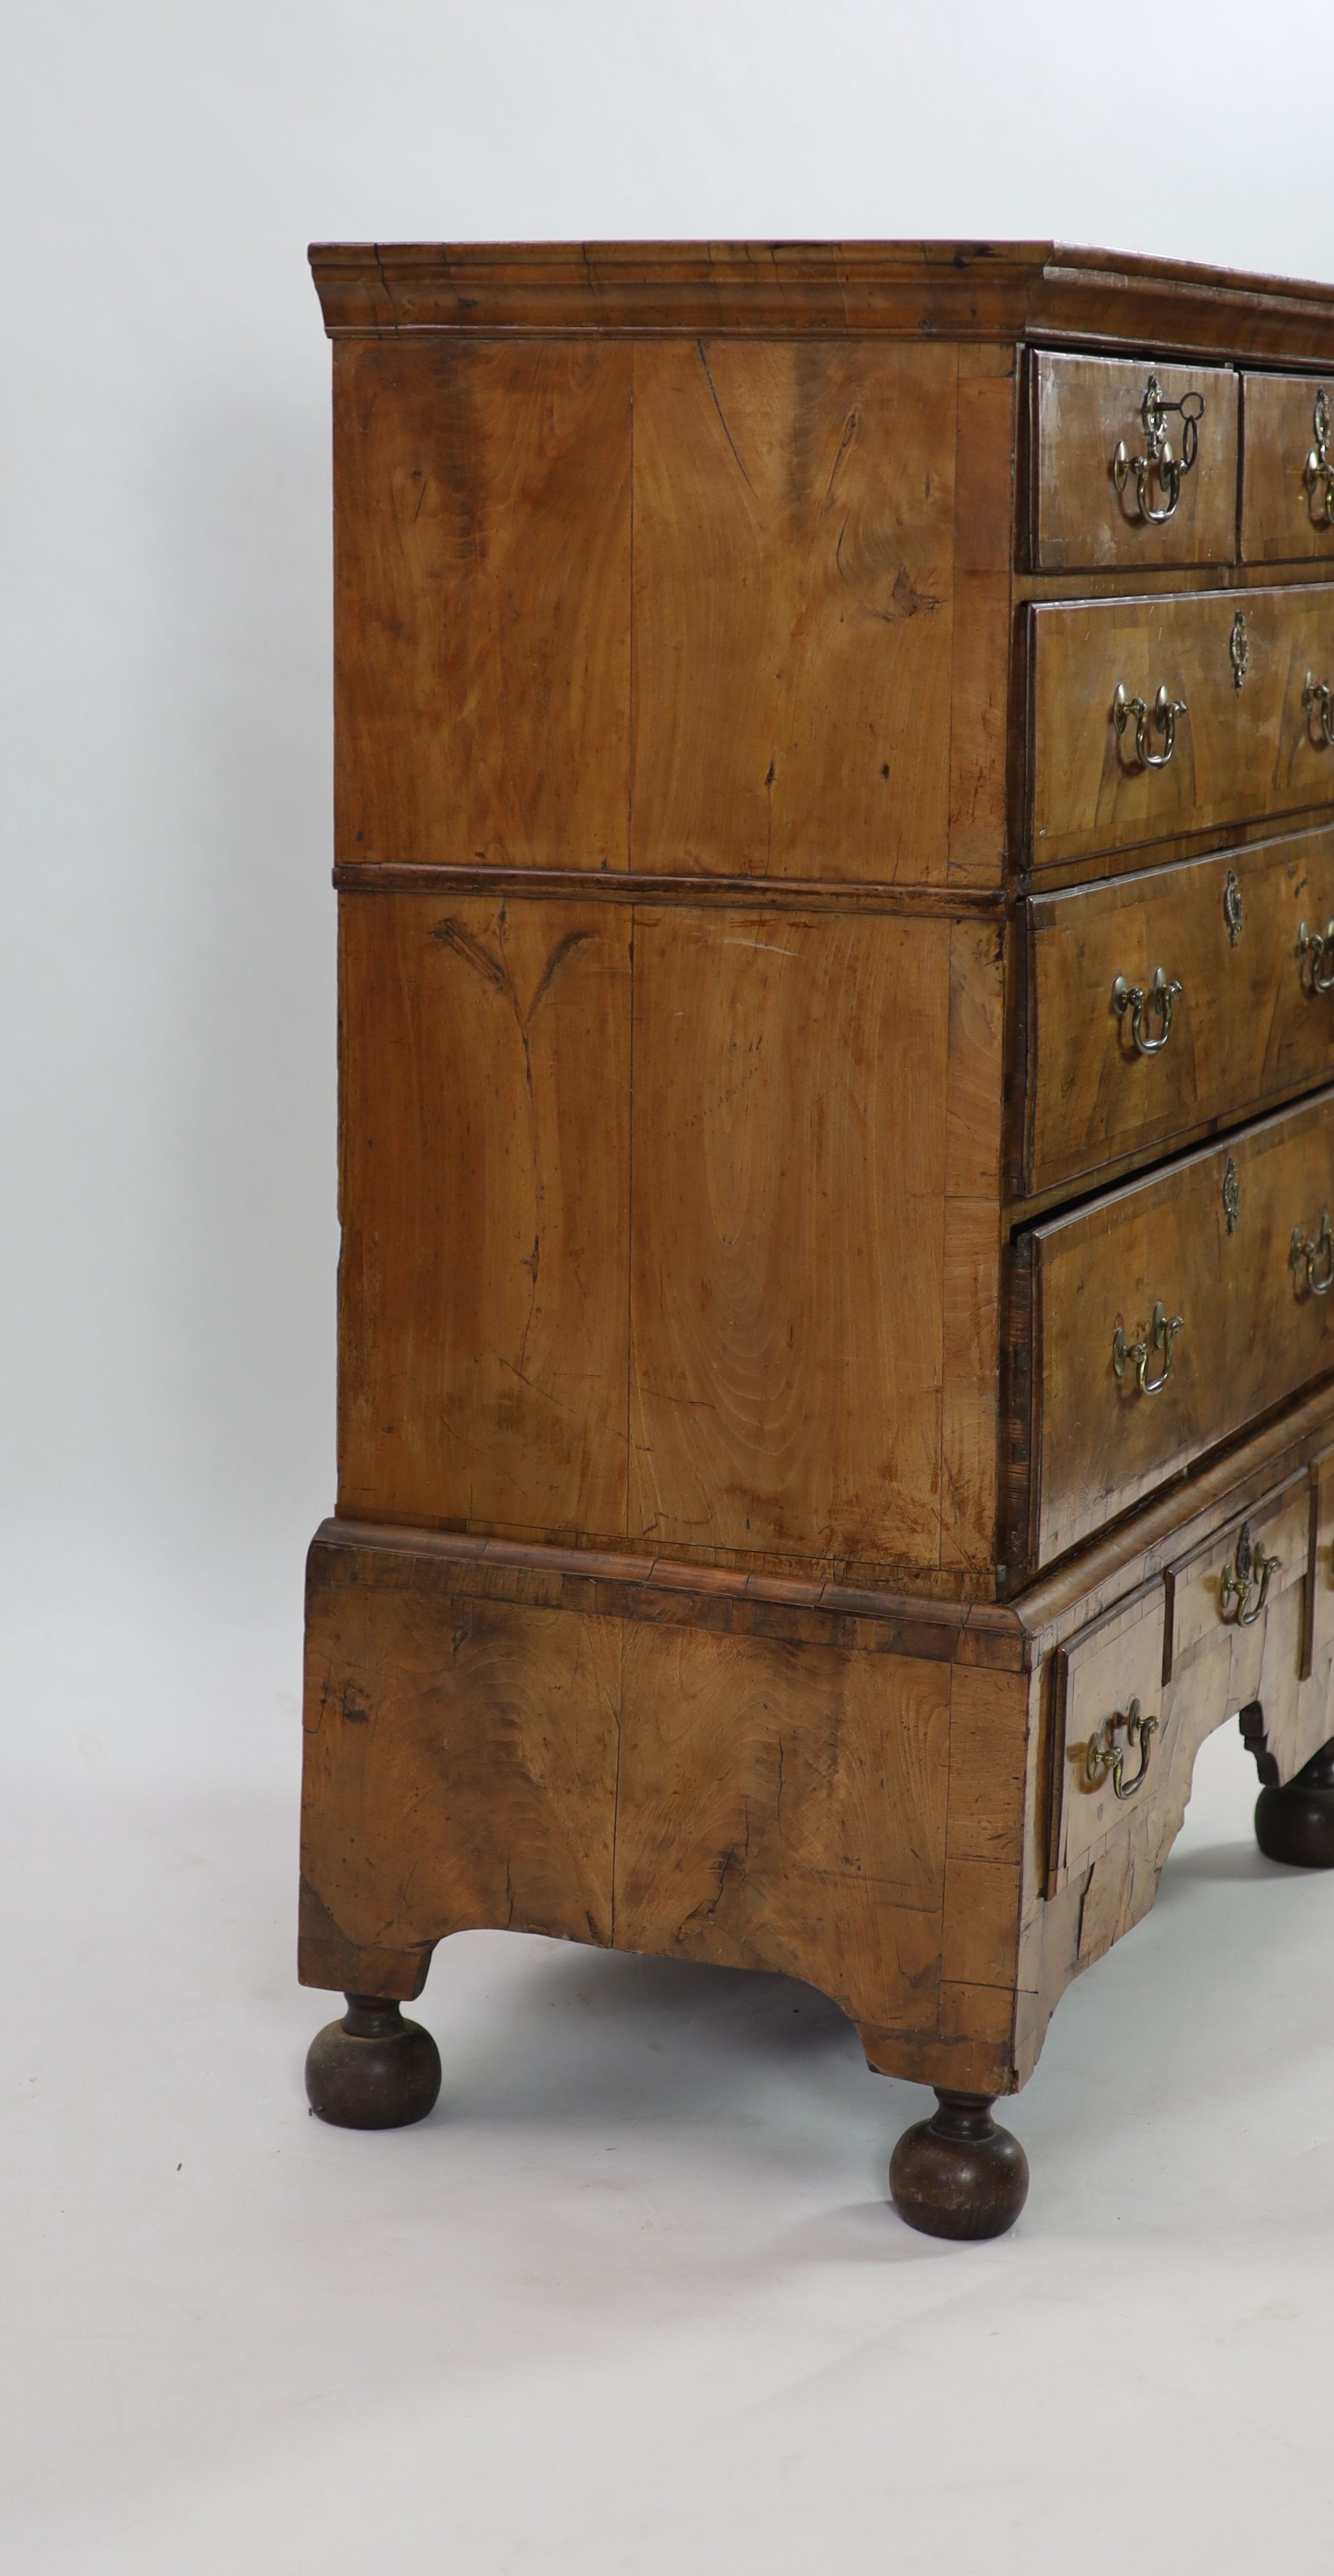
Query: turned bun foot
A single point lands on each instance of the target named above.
(372, 2069)
(958, 2174)
(1296, 1823)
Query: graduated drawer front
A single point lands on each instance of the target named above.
(1107, 1676)
(1248, 1022)
(1240, 754)
(1286, 510)
(1087, 408)
(1210, 1239)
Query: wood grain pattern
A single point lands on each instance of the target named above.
(1247, 1025)
(1197, 1610)
(971, 1264)
(793, 545)
(484, 1281)
(701, 769)
(460, 1765)
(789, 1144)
(1115, 1660)
(806, 1808)
(1084, 408)
(1320, 1590)
(1240, 753)
(1106, 1895)
(482, 625)
(1281, 521)
(984, 514)
(968, 290)
(1253, 1336)
(786, 1810)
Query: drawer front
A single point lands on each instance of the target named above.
(1119, 1401)
(1107, 489)
(1231, 1584)
(1109, 1074)
(1109, 1726)
(1287, 484)
(1320, 1601)
(1236, 754)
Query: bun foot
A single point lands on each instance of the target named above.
(958, 2174)
(1296, 1823)
(372, 2069)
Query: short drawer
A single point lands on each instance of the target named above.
(1287, 482)
(1108, 1726)
(1157, 1321)
(1133, 463)
(1157, 718)
(1174, 999)
(1320, 1595)
(1228, 1586)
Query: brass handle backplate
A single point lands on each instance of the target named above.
(1163, 714)
(1246, 1582)
(1307, 1253)
(1158, 461)
(1160, 997)
(1233, 908)
(1312, 946)
(1104, 1754)
(1318, 468)
(1163, 1331)
(1316, 696)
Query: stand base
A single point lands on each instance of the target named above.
(958, 2174)
(372, 2069)
(1296, 1823)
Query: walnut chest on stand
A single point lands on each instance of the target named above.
(835, 860)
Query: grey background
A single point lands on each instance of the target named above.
(167, 1015)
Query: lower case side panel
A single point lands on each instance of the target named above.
(665, 1773)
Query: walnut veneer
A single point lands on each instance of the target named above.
(835, 803)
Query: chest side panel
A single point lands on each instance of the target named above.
(482, 528)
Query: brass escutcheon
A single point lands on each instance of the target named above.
(1162, 1335)
(1239, 649)
(1104, 1754)
(1246, 1581)
(1158, 460)
(1306, 1253)
(1164, 715)
(1231, 1195)
(1160, 997)
(1312, 945)
(1232, 907)
(1316, 696)
(1318, 469)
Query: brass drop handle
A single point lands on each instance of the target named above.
(1312, 945)
(1160, 997)
(1158, 459)
(1305, 1254)
(1316, 693)
(1246, 1581)
(1163, 1331)
(1105, 1754)
(1164, 715)
(1318, 468)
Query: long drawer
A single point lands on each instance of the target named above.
(1174, 999)
(1157, 718)
(1157, 1321)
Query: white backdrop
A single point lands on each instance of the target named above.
(168, 1015)
(631, 2299)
